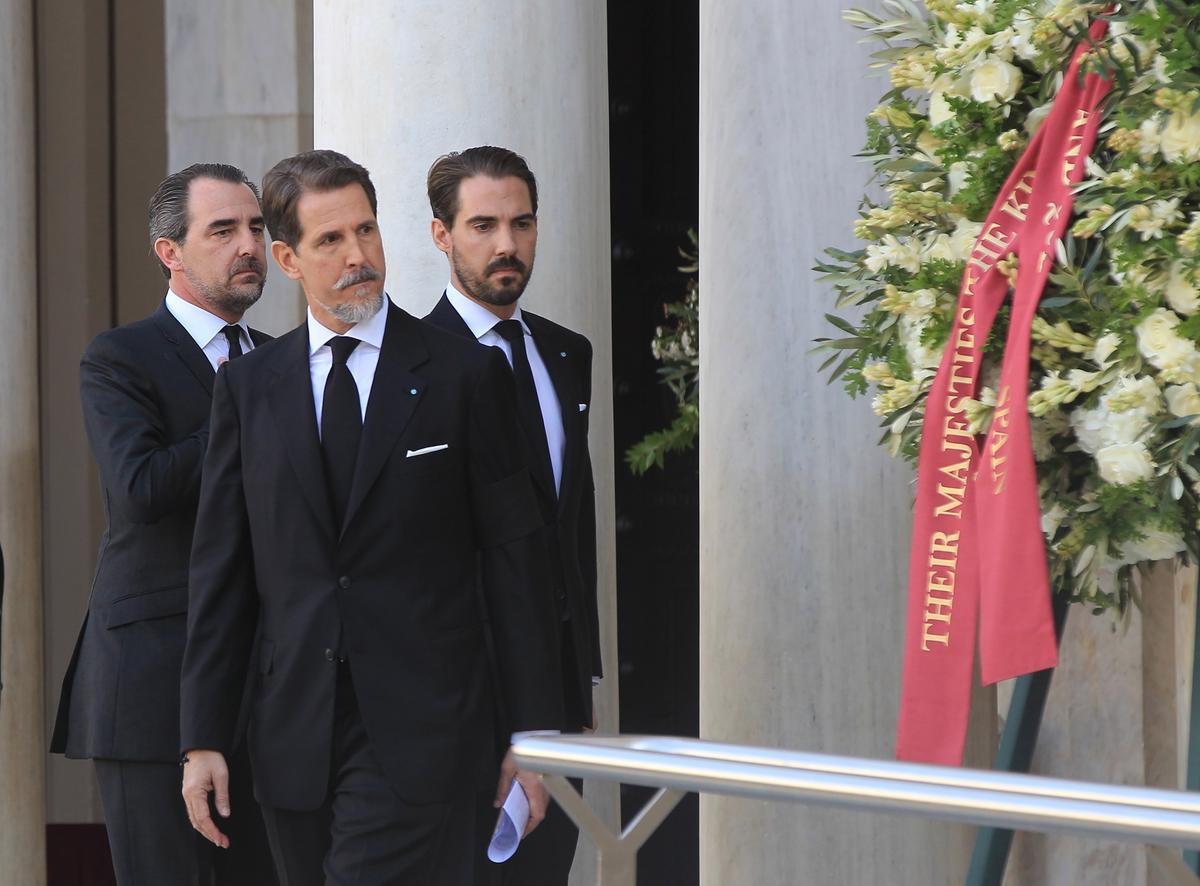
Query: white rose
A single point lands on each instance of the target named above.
(1158, 544)
(1180, 138)
(1123, 428)
(1156, 334)
(940, 247)
(1125, 463)
(1183, 400)
(995, 79)
(1139, 393)
(963, 238)
(1088, 425)
(1103, 351)
(939, 109)
(1035, 118)
(1181, 290)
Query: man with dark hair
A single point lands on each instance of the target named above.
(147, 390)
(484, 203)
(360, 467)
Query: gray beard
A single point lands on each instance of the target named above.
(227, 299)
(355, 311)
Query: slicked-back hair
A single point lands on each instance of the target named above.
(449, 170)
(289, 179)
(168, 208)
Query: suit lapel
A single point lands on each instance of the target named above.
(185, 347)
(395, 393)
(446, 317)
(557, 359)
(290, 400)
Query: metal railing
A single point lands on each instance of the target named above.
(999, 799)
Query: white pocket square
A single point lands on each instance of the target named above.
(427, 449)
(583, 407)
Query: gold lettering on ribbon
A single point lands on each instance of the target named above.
(939, 589)
(999, 437)
(1016, 203)
(1075, 145)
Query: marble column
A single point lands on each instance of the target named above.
(22, 739)
(397, 85)
(239, 90)
(804, 521)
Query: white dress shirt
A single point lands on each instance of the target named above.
(206, 329)
(482, 324)
(361, 362)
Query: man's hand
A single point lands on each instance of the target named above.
(531, 783)
(206, 771)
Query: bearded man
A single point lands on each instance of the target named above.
(365, 481)
(147, 389)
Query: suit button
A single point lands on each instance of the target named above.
(330, 655)
(344, 582)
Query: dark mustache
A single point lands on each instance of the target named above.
(249, 263)
(365, 274)
(506, 264)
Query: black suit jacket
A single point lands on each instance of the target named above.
(394, 585)
(571, 513)
(146, 390)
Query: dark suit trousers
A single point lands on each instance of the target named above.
(152, 842)
(545, 856)
(363, 834)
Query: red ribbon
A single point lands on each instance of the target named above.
(978, 557)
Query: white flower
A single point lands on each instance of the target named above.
(891, 252)
(963, 238)
(1103, 351)
(1159, 67)
(1158, 544)
(1156, 335)
(1153, 219)
(1098, 428)
(1181, 291)
(1125, 463)
(995, 80)
(957, 177)
(939, 247)
(1150, 139)
(939, 109)
(919, 356)
(1180, 138)
(1035, 118)
(1134, 394)
(1183, 400)
(1022, 39)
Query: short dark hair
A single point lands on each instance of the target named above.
(289, 179)
(168, 209)
(449, 170)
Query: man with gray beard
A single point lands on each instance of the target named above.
(364, 485)
(146, 390)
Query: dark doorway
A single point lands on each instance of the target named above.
(653, 63)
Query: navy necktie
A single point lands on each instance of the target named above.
(233, 334)
(527, 399)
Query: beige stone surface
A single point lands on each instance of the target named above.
(239, 90)
(22, 749)
(397, 85)
(804, 522)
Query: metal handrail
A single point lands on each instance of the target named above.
(979, 797)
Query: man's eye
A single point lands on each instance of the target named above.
(224, 232)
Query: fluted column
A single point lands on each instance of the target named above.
(396, 85)
(22, 744)
(804, 521)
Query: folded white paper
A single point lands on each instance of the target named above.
(510, 824)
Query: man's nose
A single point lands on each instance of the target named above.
(248, 242)
(505, 243)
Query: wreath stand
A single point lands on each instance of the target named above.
(1019, 737)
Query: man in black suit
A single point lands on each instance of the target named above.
(147, 390)
(484, 203)
(360, 466)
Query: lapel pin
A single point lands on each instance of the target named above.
(413, 391)
(562, 353)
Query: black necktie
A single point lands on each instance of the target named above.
(527, 399)
(341, 426)
(233, 334)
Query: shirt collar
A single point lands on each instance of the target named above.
(369, 331)
(200, 324)
(479, 319)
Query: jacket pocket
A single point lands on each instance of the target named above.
(156, 604)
